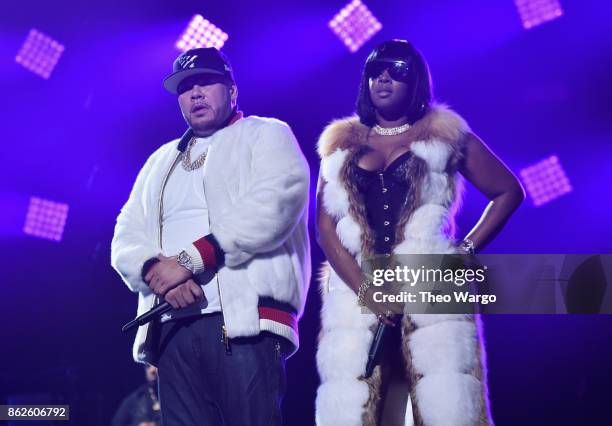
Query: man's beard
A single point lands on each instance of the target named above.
(206, 128)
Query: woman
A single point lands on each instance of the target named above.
(390, 183)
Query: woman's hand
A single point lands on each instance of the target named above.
(483, 169)
(385, 311)
(344, 263)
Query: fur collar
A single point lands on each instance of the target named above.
(440, 123)
(438, 148)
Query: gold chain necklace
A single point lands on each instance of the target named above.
(186, 162)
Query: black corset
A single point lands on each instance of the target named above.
(384, 193)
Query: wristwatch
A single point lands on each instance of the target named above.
(185, 260)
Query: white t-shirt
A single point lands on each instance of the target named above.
(185, 220)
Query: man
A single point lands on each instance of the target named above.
(216, 225)
(141, 407)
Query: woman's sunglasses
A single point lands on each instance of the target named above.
(398, 70)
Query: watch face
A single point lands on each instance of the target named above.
(184, 260)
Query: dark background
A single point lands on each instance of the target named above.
(81, 136)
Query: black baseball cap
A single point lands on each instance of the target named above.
(204, 60)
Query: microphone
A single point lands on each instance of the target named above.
(148, 316)
(375, 348)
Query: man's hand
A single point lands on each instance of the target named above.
(184, 294)
(165, 275)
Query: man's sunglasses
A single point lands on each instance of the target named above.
(398, 70)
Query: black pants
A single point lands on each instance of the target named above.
(201, 384)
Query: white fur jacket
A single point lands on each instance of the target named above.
(256, 185)
(443, 353)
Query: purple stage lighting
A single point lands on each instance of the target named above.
(537, 12)
(545, 181)
(45, 219)
(355, 25)
(39, 53)
(201, 33)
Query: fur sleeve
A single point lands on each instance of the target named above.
(263, 218)
(131, 245)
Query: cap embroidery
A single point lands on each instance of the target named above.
(188, 61)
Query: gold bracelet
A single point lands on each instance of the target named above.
(365, 285)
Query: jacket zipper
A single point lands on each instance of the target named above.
(161, 198)
(224, 337)
(159, 239)
(161, 209)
